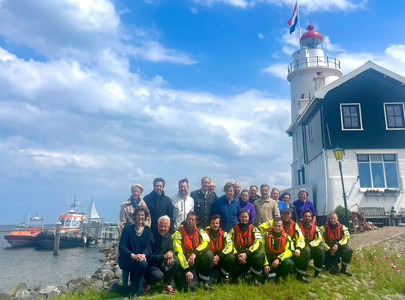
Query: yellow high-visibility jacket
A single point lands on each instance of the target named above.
(227, 240)
(177, 238)
(287, 253)
(257, 240)
(317, 240)
(345, 235)
(299, 240)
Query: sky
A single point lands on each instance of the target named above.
(96, 95)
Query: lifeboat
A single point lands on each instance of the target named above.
(26, 234)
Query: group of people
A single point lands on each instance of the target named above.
(200, 238)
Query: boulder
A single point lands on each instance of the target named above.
(18, 287)
(74, 284)
(49, 291)
(4, 296)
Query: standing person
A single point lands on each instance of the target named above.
(244, 203)
(135, 248)
(253, 196)
(336, 237)
(236, 189)
(275, 195)
(212, 189)
(302, 203)
(126, 215)
(191, 245)
(313, 243)
(203, 201)
(277, 246)
(182, 203)
(222, 247)
(159, 204)
(227, 206)
(265, 207)
(162, 261)
(247, 242)
(286, 197)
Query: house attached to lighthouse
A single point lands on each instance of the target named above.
(362, 113)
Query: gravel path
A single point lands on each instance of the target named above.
(360, 240)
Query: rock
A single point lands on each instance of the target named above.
(22, 294)
(62, 288)
(97, 286)
(4, 296)
(16, 288)
(35, 287)
(49, 291)
(74, 284)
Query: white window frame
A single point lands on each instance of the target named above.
(341, 117)
(386, 117)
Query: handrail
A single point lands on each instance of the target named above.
(314, 61)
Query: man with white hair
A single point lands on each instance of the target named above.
(162, 263)
(128, 208)
(203, 201)
(182, 203)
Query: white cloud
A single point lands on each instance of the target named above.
(278, 70)
(236, 3)
(260, 36)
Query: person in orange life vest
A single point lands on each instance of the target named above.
(222, 247)
(247, 242)
(299, 258)
(278, 248)
(313, 243)
(191, 246)
(336, 236)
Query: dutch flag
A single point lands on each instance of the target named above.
(294, 19)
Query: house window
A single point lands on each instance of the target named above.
(378, 170)
(394, 115)
(351, 116)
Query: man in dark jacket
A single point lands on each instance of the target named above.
(203, 200)
(159, 204)
(162, 263)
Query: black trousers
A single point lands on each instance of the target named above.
(284, 268)
(226, 265)
(163, 272)
(308, 253)
(254, 260)
(201, 270)
(344, 252)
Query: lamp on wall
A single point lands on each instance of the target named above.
(338, 152)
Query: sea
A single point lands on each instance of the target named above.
(33, 266)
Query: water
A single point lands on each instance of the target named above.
(33, 266)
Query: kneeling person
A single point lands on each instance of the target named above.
(247, 242)
(313, 242)
(222, 247)
(336, 236)
(162, 262)
(278, 247)
(191, 247)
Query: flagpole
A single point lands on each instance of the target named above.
(299, 27)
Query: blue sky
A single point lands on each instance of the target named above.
(97, 95)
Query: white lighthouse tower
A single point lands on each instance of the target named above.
(309, 71)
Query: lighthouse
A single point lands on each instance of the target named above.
(309, 71)
(363, 113)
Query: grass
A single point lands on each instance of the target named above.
(377, 273)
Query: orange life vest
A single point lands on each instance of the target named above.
(216, 244)
(190, 240)
(275, 245)
(289, 229)
(243, 240)
(309, 233)
(333, 236)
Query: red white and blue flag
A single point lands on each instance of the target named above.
(294, 19)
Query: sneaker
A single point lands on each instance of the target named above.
(147, 289)
(320, 276)
(304, 279)
(168, 289)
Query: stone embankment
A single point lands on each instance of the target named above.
(100, 280)
(109, 272)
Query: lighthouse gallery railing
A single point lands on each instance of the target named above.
(314, 61)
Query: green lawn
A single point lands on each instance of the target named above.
(377, 273)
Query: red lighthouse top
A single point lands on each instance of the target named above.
(311, 33)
